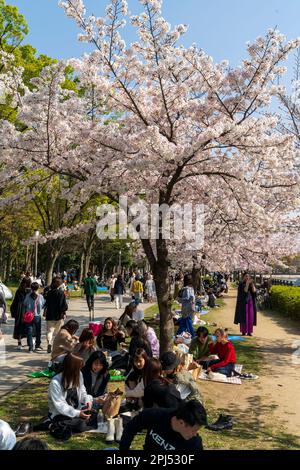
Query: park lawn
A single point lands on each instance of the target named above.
(29, 403)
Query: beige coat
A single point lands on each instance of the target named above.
(63, 344)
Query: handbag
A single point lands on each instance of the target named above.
(112, 404)
(28, 316)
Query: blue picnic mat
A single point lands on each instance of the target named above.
(233, 338)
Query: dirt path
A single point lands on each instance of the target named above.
(275, 396)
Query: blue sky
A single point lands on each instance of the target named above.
(220, 27)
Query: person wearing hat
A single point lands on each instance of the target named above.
(182, 379)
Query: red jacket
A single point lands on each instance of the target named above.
(225, 352)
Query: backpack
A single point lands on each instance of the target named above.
(61, 431)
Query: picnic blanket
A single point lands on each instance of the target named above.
(229, 380)
(232, 338)
(41, 373)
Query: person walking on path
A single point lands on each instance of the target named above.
(119, 291)
(55, 310)
(34, 302)
(137, 289)
(16, 310)
(3, 317)
(245, 312)
(90, 289)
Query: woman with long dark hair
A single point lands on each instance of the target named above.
(16, 310)
(110, 337)
(245, 312)
(138, 340)
(68, 399)
(159, 392)
(95, 374)
(134, 383)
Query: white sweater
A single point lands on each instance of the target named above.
(57, 398)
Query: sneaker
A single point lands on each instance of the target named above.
(39, 348)
(249, 376)
(30, 351)
(19, 348)
(49, 349)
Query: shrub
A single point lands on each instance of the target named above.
(286, 300)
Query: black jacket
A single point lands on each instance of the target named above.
(56, 305)
(163, 395)
(119, 288)
(87, 378)
(240, 310)
(160, 436)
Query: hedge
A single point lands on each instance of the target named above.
(286, 300)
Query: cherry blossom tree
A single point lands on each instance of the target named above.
(183, 129)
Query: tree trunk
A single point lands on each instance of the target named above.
(160, 269)
(161, 279)
(54, 254)
(81, 267)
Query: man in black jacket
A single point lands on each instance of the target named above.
(55, 310)
(168, 430)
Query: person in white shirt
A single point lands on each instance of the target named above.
(7, 436)
(68, 399)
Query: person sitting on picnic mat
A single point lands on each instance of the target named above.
(182, 379)
(65, 341)
(199, 346)
(168, 430)
(134, 383)
(224, 349)
(86, 345)
(110, 337)
(68, 400)
(159, 391)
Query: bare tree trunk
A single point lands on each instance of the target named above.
(50, 266)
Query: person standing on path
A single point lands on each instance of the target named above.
(16, 310)
(90, 289)
(245, 312)
(187, 300)
(34, 302)
(119, 291)
(137, 289)
(3, 317)
(55, 310)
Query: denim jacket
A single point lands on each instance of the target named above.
(31, 305)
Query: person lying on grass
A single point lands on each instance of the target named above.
(168, 430)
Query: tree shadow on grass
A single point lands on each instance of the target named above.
(249, 427)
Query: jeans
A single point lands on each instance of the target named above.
(119, 300)
(38, 326)
(90, 301)
(186, 324)
(226, 370)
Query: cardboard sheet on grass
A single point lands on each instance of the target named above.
(229, 380)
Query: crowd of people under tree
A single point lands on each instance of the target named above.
(161, 396)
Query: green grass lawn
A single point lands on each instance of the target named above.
(29, 403)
